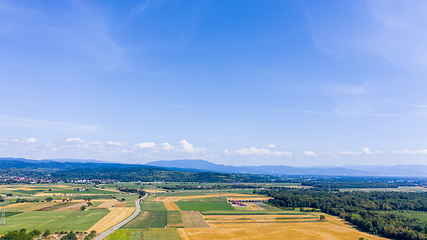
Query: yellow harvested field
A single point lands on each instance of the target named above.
(163, 199)
(110, 203)
(44, 194)
(154, 190)
(75, 207)
(170, 205)
(243, 199)
(296, 230)
(27, 188)
(215, 195)
(107, 204)
(168, 202)
(253, 206)
(115, 216)
(250, 217)
(29, 206)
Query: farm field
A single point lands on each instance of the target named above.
(204, 206)
(192, 214)
(54, 221)
(303, 230)
(174, 219)
(148, 219)
(193, 220)
(115, 216)
(147, 234)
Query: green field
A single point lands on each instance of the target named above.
(106, 196)
(268, 207)
(149, 219)
(148, 205)
(54, 221)
(10, 214)
(204, 206)
(57, 206)
(174, 219)
(19, 192)
(130, 198)
(147, 234)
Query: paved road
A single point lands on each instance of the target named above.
(137, 211)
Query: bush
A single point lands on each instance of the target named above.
(35, 233)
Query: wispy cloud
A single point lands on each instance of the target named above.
(253, 151)
(343, 113)
(398, 32)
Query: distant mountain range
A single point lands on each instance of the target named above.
(398, 170)
(202, 165)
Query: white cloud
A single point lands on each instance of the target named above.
(74, 140)
(32, 140)
(272, 146)
(145, 145)
(349, 153)
(310, 153)
(367, 151)
(186, 147)
(167, 147)
(412, 152)
(258, 151)
(115, 143)
(398, 32)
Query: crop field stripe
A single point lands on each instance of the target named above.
(54, 221)
(146, 234)
(148, 219)
(174, 219)
(250, 213)
(204, 206)
(56, 206)
(10, 214)
(264, 222)
(193, 219)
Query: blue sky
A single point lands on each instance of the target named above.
(298, 83)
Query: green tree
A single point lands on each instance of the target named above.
(83, 208)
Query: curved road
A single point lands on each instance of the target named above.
(137, 211)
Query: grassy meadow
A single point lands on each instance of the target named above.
(53, 221)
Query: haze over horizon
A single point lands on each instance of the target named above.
(294, 83)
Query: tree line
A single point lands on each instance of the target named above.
(370, 211)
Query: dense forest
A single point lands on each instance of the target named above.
(370, 211)
(152, 174)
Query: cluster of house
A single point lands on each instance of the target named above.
(24, 179)
(238, 203)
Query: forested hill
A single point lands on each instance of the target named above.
(67, 171)
(150, 174)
